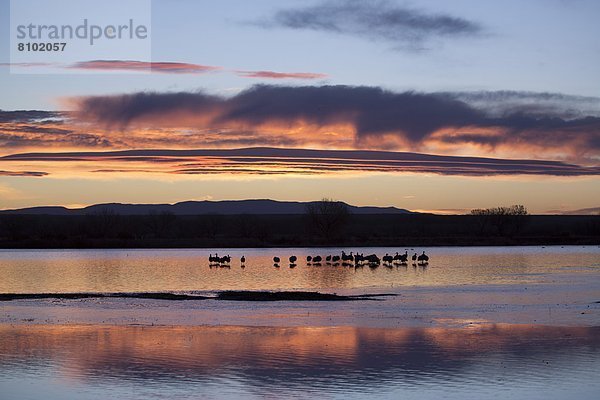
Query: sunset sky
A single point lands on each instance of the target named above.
(426, 105)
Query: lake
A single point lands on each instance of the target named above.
(477, 322)
(98, 362)
(139, 270)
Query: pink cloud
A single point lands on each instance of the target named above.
(282, 161)
(169, 67)
(131, 65)
(281, 75)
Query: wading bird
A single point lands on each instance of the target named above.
(225, 260)
(347, 258)
(373, 260)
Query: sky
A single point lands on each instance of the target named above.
(426, 105)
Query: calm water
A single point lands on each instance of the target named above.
(192, 362)
(30, 271)
(98, 362)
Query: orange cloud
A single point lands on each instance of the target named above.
(277, 161)
(321, 117)
(376, 118)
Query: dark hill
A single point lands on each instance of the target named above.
(228, 207)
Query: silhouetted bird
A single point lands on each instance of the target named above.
(358, 259)
(423, 258)
(243, 259)
(373, 260)
(276, 260)
(347, 257)
(293, 259)
(404, 257)
(225, 259)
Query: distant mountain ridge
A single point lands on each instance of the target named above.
(205, 207)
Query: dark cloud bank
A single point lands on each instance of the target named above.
(517, 120)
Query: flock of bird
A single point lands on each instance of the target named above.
(356, 260)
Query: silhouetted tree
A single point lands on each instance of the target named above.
(161, 223)
(593, 225)
(14, 227)
(103, 223)
(505, 219)
(327, 217)
(262, 231)
(246, 225)
(212, 224)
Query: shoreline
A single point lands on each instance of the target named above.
(227, 244)
(222, 295)
(574, 303)
(292, 230)
(324, 246)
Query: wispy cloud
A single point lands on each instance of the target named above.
(29, 116)
(564, 210)
(374, 20)
(27, 65)
(280, 75)
(43, 129)
(168, 67)
(506, 102)
(582, 211)
(132, 65)
(277, 161)
(22, 173)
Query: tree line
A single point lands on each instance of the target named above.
(327, 223)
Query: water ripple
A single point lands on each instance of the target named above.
(220, 362)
